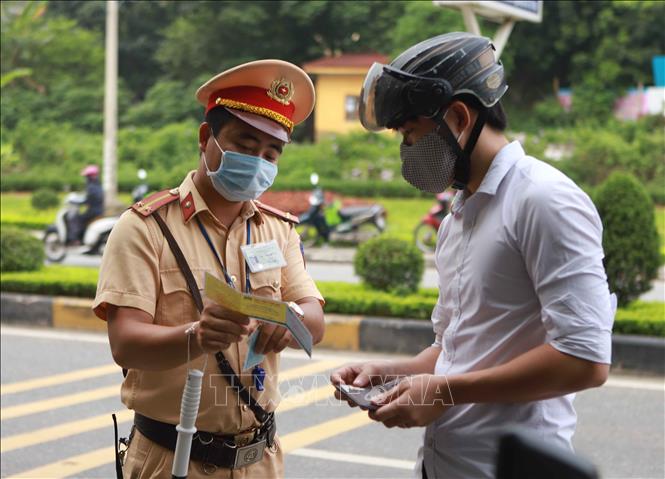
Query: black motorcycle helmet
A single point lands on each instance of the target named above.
(427, 77)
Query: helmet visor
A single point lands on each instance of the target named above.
(381, 98)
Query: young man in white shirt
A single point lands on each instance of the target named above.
(524, 314)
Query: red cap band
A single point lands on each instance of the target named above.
(275, 105)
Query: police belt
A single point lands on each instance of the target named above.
(214, 450)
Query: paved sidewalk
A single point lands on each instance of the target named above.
(331, 254)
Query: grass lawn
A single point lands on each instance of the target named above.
(403, 214)
(16, 210)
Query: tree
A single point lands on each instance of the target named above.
(422, 20)
(140, 32)
(65, 65)
(597, 47)
(216, 36)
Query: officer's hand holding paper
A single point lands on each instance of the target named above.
(263, 309)
(219, 327)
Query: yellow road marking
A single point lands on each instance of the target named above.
(305, 398)
(109, 391)
(77, 464)
(309, 369)
(325, 430)
(97, 422)
(72, 465)
(61, 431)
(59, 379)
(100, 421)
(295, 440)
(59, 401)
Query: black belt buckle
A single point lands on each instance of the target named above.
(249, 454)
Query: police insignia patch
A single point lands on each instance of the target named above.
(281, 90)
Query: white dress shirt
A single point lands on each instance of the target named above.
(520, 265)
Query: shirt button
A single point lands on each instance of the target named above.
(244, 407)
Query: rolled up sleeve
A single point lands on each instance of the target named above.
(562, 245)
(296, 281)
(129, 273)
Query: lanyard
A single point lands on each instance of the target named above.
(258, 372)
(229, 281)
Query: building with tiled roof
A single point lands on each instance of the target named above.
(338, 80)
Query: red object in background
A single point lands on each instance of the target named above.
(425, 233)
(436, 213)
(297, 202)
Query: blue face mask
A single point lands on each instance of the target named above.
(241, 177)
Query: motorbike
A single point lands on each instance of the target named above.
(94, 237)
(356, 223)
(425, 233)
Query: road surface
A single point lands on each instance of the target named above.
(59, 389)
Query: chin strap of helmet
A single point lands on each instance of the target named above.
(463, 163)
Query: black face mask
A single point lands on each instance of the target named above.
(437, 161)
(430, 163)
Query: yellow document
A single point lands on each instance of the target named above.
(264, 309)
(255, 306)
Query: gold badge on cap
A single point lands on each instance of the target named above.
(281, 90)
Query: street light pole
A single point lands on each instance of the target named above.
(111, 107)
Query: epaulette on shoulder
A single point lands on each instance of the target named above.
(152, 203)
(283, 215)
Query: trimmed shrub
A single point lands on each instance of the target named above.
(639, 317)
(44, 198)
(390, 264)
(19, 251)
(630, 237)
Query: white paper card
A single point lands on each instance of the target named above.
(263, 256)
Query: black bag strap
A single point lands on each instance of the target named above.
(224, 366)
(182, 262)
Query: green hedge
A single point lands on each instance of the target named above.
(53, 280)
(630, 236)
(341, 298)
(20, 251)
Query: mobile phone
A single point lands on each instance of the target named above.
(363, 396)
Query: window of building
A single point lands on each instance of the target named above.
(351, 107)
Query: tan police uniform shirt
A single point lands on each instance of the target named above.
(139, 271)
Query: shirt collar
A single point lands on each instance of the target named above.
(192, 203)
(501, 164)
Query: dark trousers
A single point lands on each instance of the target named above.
(77, 225)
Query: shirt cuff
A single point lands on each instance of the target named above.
(595, 346)
(121, 299)
(296, 294)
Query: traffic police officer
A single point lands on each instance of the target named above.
(153, 322)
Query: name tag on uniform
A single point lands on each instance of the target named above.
(263, 256)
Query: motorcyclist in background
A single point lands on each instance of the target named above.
(94, 199)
